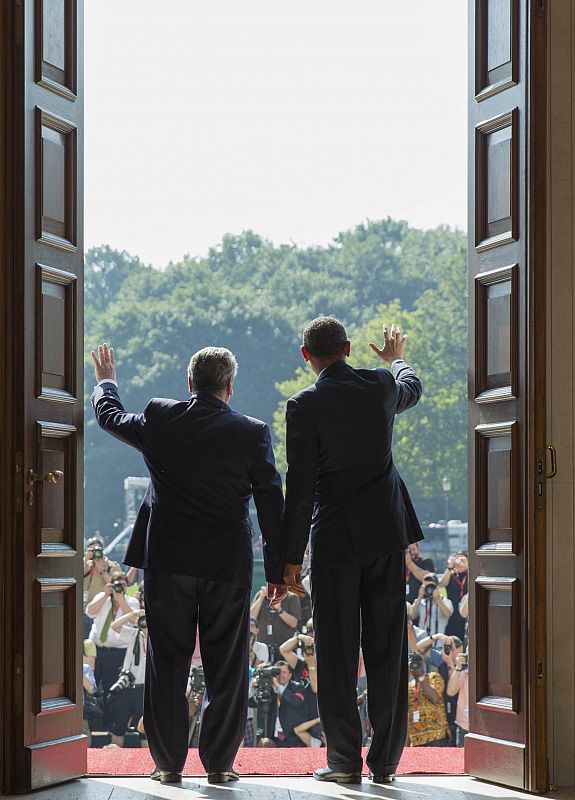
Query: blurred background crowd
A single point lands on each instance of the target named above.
(282, 705)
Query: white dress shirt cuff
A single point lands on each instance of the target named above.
(108, 380)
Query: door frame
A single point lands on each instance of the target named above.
(536, 542)
(8, 569)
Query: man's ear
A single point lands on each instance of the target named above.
(190, 384)
(347, 348)
(305, 353)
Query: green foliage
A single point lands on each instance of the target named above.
(254, 297)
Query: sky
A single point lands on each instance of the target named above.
(294, 118)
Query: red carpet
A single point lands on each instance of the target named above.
(270, 761)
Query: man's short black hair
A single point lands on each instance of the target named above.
(284, 664)
(324, 337)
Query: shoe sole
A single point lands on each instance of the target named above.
(350, 779)
(161, 780)
(219, 778)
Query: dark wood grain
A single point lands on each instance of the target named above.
(42, 241)
(507, 268)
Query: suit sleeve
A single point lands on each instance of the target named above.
(408, 388)
(269, 500)
(113, 418)
(302, 456)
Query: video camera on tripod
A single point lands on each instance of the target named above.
(264, 685)
(264, 682)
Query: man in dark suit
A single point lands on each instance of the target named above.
(192, 538)
(341, 479)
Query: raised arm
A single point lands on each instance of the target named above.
(110, 413)
(407, 385)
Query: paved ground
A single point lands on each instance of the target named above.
(410, 787)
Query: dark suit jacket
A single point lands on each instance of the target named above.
(341, 477)
(205, 461)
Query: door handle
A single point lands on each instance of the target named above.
(553, 452)
(49, 477)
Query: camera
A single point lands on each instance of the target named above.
(429, 588)
(142, 624)
(197, 680)
(447, 647)
(466, 658)
(118, 586)
(415, 661)
(97, 552)
(125, 680)
(264, 675)
(307, 649)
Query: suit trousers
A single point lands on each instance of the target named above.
(362, 602)
(177, 606)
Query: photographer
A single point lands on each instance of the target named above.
(106, 607)
(97, 571)
(416, 568)
(427, 723)
(299, 652)
(458, 686)
(97, 568)
(282, 702)
(456, 580)
(449, 647)
(259, 652)
(431, 610)
(276, 624)
(126, 695)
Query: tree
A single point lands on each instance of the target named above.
(254, 297)
(430, 441)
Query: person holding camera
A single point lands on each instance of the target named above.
(97, 568)
(97, 571)
(449, 647)
(292, 706)
(276, 624)
(427, 723)
(104, 608)
(431, 609)
(126, 696)
(416, 568)
(458, 686)
(456, 581)
(299, 652)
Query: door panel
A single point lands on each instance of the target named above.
(45, 285)
(506, 742)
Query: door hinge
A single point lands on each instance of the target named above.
(540, 5)
(540, 674)
(19, 482)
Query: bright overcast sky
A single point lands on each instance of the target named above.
(295, 118)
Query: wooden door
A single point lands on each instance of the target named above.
(507, 740)
(42, 238)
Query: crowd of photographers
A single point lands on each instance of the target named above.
(283, 709)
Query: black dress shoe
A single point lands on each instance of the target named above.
(328, 774)
(164, 776)
(382, 778)
(223, 777)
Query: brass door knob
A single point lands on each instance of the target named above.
(49, 477)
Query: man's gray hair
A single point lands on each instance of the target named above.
(211, 368)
